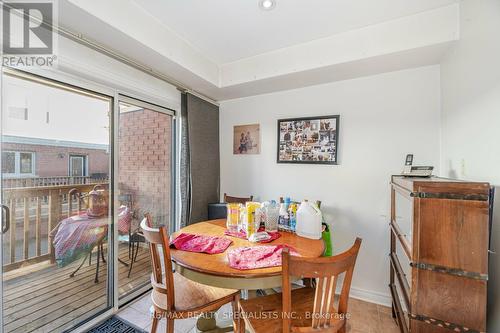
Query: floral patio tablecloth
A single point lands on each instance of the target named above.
(77, 235)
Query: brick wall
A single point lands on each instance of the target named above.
(145, 143)
(52, 161)
(144, 161)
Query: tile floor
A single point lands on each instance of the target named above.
(365, 317)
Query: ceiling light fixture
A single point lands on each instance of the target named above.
(267, 4)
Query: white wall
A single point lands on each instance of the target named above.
(383, 117)
(470, 80)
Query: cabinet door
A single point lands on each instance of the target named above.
(460, 227)
(404, 305)
(404, 261)
(404, 216)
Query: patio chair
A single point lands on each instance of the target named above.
(135, 236)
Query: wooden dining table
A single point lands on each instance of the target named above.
(214, 269)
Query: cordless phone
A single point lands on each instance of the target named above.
(415, 171)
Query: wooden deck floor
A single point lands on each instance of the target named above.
(43, 298)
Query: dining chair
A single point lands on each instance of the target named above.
(242, 200)
(174, 296)
(306, 309)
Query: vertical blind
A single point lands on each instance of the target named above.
(200, 159)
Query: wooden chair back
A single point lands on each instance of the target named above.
(327, 271)
(162, 278)
(230, 199)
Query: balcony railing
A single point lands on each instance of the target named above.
(51, 181)
(34, 212)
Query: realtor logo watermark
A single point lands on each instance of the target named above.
(28, 35)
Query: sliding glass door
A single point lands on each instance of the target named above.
(80, 170)
(56, 195)
(145, 174)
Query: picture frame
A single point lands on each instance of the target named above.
(308, 140)
(246, 139)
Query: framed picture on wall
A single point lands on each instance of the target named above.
(311, 140)
(246, 139)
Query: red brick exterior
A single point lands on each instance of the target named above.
(145, 161)
(52, 161)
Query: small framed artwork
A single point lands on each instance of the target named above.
(311, 140)
(246, 139)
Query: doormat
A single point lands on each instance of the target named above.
(115, 325)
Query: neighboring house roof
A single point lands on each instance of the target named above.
(50, 142)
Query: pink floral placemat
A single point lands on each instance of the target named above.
(200, 243)
(260, 256)
(242, 234)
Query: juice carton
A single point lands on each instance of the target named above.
(251, 227)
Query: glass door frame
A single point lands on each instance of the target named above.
(62, 81)
(116, 94)
(125, 98)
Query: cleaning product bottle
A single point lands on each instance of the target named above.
(309, 219)
(328, 240)
(287, 214)
(282, 217)
(293, 216)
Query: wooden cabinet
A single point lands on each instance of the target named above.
(439, 254)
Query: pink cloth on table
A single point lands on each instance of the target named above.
(242, 234)
(78, 234)
(260, 256)
(200, 243)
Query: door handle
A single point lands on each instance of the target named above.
(5, 219)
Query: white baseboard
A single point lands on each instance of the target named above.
(371, 296)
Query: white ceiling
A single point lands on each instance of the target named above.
(391, 35)
(228, 30)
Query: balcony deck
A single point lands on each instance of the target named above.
(43, 298)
